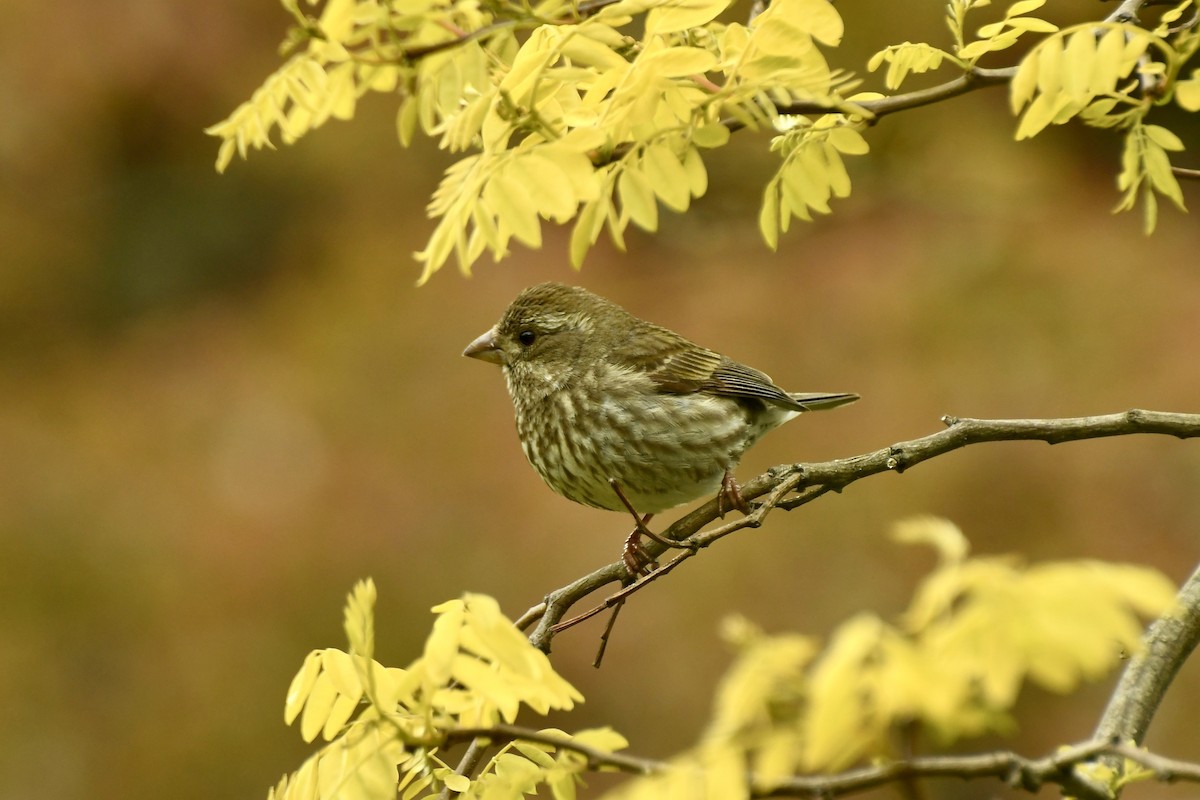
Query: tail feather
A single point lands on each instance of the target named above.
(822, 401)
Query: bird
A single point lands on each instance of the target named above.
(618, 413)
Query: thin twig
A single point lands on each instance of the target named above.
(608, 629)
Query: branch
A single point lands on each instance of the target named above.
(977, 78)
(789, 486)
(1015, 770)
(596, 759)
(1029, 774)
(1167, 644)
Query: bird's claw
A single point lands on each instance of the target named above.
(729, 497)
(637, 559)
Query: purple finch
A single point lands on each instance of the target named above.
(618, 413)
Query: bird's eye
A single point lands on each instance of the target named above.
(527, 337)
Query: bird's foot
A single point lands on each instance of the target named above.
(637, 559)
(729, 496)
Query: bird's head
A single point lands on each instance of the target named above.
(548, 327)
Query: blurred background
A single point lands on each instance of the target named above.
(223, 400)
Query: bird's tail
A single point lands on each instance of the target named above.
(821, 401)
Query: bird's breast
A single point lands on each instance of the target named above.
(663, 449)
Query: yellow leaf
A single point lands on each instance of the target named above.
(1158, 171)
(667, 176)
(587, 51)
(339, 714)
(515, 210)
(537, 752)
(442, 644)
(549, 186)
(724, 773)
(778, 37)
(1050, 64)
(1163, 137)
(588, 224)
(1079, 58)
(453, 781)
(675, 62)
(605, 739)
(359, 618)
(533, 57)
(637, 198)
(679, 15)
(343, 94)
(711, 135)
(1024, 83)
(406, 121)
(818, 18)
(768, 216)
(848, 140)
(839, 179)
(301, 685)
(337, 20)
(316, 710)
(1106, 69)
(341, 670)
(1023, 7)
(1187, 93)
(941, 534)
(808, 174)
(697, 176)
(839, 726)
(1041, 112)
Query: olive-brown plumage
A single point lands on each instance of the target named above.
(602, 396)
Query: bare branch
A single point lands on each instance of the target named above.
(977, 78)
(792, 485)
(1029, 774)
(1167, 644)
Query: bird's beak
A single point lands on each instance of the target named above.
(485, 348)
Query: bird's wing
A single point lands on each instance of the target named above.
(685, 368)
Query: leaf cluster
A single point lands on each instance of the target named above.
(571, 116)
(476, 671)
(596, 112)
(977, 630)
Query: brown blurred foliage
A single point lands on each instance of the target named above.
(222, 399)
